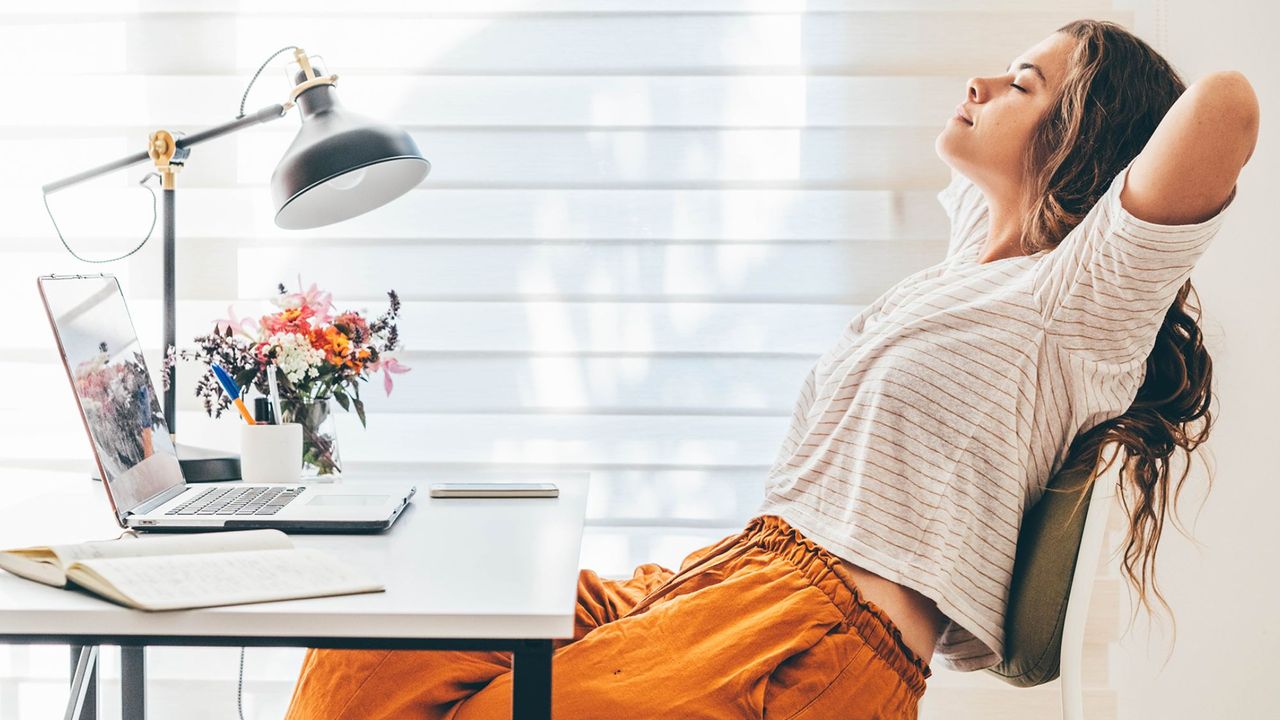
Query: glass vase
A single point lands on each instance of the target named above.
(319, 436)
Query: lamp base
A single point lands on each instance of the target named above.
(200, 465)
(207, 465)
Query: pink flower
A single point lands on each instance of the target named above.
(388, 365)
(358, 327)
(246, 327)
(314, 298)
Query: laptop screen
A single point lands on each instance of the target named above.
(121, 410)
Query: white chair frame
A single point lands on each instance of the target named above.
(1071, 661)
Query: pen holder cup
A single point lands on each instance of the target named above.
(271, 453)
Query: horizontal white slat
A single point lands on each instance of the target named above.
(807, 272)
(860, 158)
(101, 45)
(540, 440)
(475, 7)
(88, 217)
(676, 385)
(863, 43)
(193, 697)
(647, 497)
(615, 552)
(530, 327)
(653, 498)
(599, 327)
(129, 104)
(780, 272)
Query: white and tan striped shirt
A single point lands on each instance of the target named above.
(920, 439)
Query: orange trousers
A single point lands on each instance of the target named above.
(762, 624)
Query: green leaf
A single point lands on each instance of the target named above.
(245, 377)
(360, 412)
(343, 400)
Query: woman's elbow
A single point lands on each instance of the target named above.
(1235, 105)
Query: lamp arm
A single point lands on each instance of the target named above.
(266, 114)
(79, 177)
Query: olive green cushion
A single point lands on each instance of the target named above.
(1048, 544)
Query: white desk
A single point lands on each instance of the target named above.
(460, 574)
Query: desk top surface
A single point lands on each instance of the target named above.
(453, 568)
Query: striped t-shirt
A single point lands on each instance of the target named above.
(922, 437)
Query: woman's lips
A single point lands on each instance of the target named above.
(964, 118)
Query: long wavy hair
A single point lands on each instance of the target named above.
(1116, 91)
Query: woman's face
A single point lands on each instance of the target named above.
(989, 150)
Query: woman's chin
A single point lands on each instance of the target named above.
(941, 146)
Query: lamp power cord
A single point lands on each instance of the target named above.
(145, 178)
(63, 240)
(244, 98)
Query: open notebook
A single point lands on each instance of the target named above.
(191, 571)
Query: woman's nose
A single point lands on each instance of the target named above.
(976, 89)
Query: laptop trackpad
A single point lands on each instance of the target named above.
(331, 500)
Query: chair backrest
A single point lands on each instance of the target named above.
(1072, 662)
(1052, 584)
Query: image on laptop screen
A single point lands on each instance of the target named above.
(109, 377)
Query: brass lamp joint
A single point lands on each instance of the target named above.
(313, 80)
(164, 153)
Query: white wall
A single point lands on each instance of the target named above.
(1224, 593)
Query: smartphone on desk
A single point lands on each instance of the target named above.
(493, 489)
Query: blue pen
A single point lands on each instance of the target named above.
(229, 387)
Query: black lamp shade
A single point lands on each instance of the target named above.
(341, 165)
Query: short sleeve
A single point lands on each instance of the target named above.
(1104, 290)
(966, 208)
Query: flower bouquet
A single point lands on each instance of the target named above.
(319, 356)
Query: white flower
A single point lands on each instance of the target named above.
(295, 356)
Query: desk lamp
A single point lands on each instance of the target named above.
(339, 165)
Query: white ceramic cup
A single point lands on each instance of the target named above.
(271, 453)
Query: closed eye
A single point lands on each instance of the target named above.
(1020, 89)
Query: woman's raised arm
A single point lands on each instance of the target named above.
(1188, 168)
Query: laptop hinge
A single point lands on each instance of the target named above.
(156, 500)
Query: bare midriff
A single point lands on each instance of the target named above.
(915, 615)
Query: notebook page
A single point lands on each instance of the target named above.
(208, 542)
(232, 578)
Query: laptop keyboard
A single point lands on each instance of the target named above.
(238, 501)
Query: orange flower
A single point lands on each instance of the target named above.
(333, 342)
(356, 361)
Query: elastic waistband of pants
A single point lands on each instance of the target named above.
(824, 571)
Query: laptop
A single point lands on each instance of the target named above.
(136, 456)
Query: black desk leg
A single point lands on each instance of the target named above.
(83, 702)
(531, 681)
(133, 682)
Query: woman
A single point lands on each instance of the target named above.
(1085, 185)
